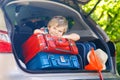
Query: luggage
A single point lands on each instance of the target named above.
(44, 42)
(83, 49)
(45, 60)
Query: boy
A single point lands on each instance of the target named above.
(57, 26)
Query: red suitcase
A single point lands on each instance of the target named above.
(46, 43)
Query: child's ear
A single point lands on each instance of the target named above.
(48, 27)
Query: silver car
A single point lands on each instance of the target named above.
(15, 19)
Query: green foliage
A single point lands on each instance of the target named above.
(107, 15)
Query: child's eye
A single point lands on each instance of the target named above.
(60, 31)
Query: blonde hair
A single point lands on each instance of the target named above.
(58, 21)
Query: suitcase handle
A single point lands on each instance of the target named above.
(61, 61)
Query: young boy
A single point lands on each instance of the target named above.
(57, 26)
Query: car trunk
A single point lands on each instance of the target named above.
(20, 14)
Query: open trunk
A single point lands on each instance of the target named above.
(20, 14)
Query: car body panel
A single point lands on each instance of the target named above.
(10, 71)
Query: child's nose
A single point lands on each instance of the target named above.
(56, 31)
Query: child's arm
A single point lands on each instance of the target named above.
(72, 36)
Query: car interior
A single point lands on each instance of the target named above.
(25, 17)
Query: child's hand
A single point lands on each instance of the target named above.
(38, 31)
(72, 36)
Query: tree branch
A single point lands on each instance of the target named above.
(116, 41)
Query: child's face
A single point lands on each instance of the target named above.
(56, 31)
